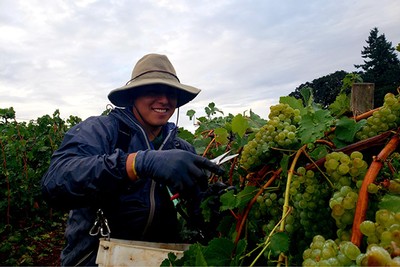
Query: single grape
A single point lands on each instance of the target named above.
(367, 228)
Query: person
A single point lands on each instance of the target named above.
(130, 185)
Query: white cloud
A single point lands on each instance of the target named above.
(243, 54)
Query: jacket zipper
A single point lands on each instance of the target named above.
(152, 193)
(153, 183)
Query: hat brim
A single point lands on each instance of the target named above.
(125, 95)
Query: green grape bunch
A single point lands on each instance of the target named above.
(326, 252)
(383, 119)
(308, 197)
(346, 170)
(343, 204)
(279, 131)
(385, 231)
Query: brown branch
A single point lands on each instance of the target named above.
(251, 203)
(377, 140)
(370, 176)
(208, 147)
(365, 115)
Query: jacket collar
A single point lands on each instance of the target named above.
(127, 117)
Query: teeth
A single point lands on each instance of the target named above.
(160, 110)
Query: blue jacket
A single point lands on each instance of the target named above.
(87, 172)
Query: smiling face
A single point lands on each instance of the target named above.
(153, 106)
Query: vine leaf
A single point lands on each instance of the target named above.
(239, 125)
(279, 243)
(190, 113)
(347, 128)
(193, 257)
(230, 201)
(221, 135)
(314, 124)
(390, 202)
(240, 250)
(218, 252)
(284, 164)
(292, 102)
(341, 105)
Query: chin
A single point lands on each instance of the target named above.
(159, 123)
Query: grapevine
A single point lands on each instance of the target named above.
(307, 188)
(313, 186)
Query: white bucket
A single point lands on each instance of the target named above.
(118, 252)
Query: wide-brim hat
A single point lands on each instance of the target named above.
(149, 70)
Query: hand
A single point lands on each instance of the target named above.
(181, 170)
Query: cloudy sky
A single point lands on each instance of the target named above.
(68, 55)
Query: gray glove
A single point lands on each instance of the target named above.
(180, 170)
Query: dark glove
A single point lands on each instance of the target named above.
(180, 170)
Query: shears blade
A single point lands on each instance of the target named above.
(221, 159)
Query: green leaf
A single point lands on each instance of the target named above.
(284, 164)
(306, 93)
(200, 259)
(228, 201)
(212, 110)
(239, 125)
(313, 125)
(240, 250)
(192, 257)
(221, 135)
(341, 105)
(190, 113)
(279, 243)
(246, 195)
(256, 121)
(186, 135)
(319, 152)
(292, 102)
(347, 128)
(218, 252)
(390, 202)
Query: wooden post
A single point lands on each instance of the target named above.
(362, 98)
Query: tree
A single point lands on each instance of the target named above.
(325, 89)
(381, 65)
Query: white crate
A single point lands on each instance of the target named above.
(118, 252)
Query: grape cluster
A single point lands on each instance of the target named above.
(378, 256)
(383, 238)
(346, 173)
(309, 197)
(279, 131)
(390, 174)
(383, 119)
(394, 186)
(384, 231)
(269, 208)
(345, 169)
(326, 252)
(343, 204)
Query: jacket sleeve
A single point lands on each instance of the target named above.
(85, 169)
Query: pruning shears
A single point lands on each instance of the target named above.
(221, 159)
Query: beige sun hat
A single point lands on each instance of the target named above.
(152, 69)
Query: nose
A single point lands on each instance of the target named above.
(163, 97)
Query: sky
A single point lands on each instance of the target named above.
(243, 55)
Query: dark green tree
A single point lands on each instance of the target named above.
(381, 65)
(325, 89)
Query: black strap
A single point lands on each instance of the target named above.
(124, 136)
